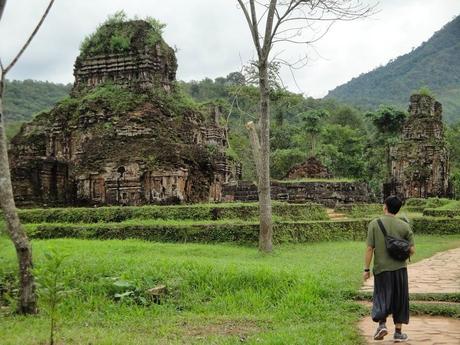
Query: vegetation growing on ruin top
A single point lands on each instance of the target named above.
(118, 34)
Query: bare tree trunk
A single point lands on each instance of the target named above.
(255, 144)
(27, 298)
(265, 204)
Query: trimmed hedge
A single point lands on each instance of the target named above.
(435, 212)
(118, 214)
(239, 232)
(205, 233)
(436, 226)
(420, 204)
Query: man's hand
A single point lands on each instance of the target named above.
(366, 275)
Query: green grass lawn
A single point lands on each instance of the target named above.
(218, 294)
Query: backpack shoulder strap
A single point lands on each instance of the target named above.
(382, 227)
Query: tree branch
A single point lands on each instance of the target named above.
(268, 29)
(2, 7)
(252, 27)
(13, 62)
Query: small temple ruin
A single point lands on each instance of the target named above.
(125, 136)
(420, 161)
(312, 168)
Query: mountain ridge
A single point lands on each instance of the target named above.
(434, 64)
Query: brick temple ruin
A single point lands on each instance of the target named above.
(91, 150)
(420, 161)
(311, 168)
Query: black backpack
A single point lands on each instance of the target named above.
(399, 249)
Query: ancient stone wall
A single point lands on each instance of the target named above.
(326, 193)
(420, 161)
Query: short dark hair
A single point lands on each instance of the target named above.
(393, 204)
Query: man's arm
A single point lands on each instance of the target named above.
(412, 250)
(367, 261)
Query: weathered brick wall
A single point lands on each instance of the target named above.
(326, 193)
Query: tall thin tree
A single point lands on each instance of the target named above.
(27, 296)
(272, 22)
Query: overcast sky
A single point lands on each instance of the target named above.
(213, 39)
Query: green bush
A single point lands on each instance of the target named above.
(417, 202)
(427, 203)
(231, 230)
(243, 211)
(434, 212)
(211, 232)
(436, 226)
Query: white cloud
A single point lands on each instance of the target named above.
(212, 37)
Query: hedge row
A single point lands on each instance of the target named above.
(435, 212)
(427, 203)
(205, 233)
(300, 231)
(246, 211)
(436, 226)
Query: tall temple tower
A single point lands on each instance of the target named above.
(420, 161)
(126, 135)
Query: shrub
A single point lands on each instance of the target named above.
(242, 211)
(436, 226)
(205, 232)
(231, 231)
(433, 212)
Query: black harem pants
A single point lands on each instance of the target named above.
(391, 296)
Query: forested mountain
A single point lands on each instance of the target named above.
(26, 98)
(435, 64)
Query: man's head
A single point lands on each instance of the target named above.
(392, 204)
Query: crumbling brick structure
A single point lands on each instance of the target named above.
(124, 136)
(420, 161)
(312, 168)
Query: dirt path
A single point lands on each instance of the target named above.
(438, 274)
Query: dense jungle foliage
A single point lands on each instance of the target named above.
(351, 142)
(25, 98)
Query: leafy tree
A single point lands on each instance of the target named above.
(342, 150)
(388, 122)
(312, 126)
(284, 159)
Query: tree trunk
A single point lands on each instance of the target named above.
(255, 144)
(27, 298)
(265, 206)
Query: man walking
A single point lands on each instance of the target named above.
(391, 290)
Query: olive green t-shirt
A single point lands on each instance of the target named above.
(394, 227)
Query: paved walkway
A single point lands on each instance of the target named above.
(422, 330)
(438, 274)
